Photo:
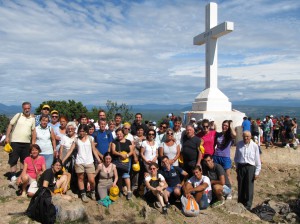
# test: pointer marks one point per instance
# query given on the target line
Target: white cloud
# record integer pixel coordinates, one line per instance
(142, 52)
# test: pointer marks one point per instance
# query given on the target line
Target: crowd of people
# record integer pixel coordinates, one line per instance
(160, 164)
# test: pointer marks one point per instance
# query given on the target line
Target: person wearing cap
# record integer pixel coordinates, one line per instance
(170, 118)
(212, 125)
(46, 111)
(193, 123)
(54, 119)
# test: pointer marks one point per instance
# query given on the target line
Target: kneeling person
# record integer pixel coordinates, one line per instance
(218, 178)
(172, 177)
(198, 186)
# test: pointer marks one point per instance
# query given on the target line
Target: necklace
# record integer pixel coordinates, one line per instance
(152, 147)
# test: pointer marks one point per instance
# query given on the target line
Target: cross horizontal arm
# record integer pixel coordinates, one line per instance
(215, 33)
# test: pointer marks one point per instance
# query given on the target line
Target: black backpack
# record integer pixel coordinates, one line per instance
(264, 212)
(41, 208)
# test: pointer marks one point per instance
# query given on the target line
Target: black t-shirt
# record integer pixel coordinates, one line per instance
(215, 173)
(172, 177)
(49, 176)
(122, 146)
(190, 148)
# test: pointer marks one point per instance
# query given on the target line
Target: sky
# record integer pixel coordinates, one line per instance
(142, 52)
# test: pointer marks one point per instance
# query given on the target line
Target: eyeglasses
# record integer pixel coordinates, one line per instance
(170, 133)
(204, 126)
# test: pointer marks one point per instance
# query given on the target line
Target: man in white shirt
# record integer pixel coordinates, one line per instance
(199, 187)
(248, 166)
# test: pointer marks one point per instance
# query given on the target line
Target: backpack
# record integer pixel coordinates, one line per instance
(264, 212)
(189, 206)
(41, 208)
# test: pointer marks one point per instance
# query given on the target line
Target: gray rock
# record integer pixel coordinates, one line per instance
(69, 210)
(291, 216)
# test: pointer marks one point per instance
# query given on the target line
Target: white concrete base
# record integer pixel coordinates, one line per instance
(218, 116)
(211, 99)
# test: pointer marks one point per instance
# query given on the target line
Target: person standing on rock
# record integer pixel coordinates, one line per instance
(248, 166)
(20, 133)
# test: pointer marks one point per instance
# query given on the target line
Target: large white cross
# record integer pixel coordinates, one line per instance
(210, 37)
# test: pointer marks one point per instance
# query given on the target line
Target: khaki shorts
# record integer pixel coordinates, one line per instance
(84, 168)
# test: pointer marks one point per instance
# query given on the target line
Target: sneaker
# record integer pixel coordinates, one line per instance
(13, 184)
(168, 205)
(164, 210)
(93, 195)
(84, 198)
(129, 195)
(229, 197)
(125, 191)
(157, 204)
(218, 204)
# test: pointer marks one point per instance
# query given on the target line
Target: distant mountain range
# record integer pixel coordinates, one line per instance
(247, 106)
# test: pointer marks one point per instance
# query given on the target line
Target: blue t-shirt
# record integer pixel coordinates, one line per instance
(103, 139)
(171, 176)
(246, 125)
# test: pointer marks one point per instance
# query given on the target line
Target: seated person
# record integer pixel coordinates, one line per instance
(172, 177)
(221, 186)
(198, 186)
(156, 188)
(34, 166)
(49, 178)
(108, 175)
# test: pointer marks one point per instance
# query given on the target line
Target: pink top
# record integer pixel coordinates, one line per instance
(209, 141)
(38, 162)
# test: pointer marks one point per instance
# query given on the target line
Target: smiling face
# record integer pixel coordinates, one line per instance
(190, 131)
(82, 133)
(107, 160)
(197, 173)
(63, 122)
(120, 135)
(34, 152)
(44, 122)
(56, 167)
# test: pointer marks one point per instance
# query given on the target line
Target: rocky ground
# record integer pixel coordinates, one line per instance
(279, 182)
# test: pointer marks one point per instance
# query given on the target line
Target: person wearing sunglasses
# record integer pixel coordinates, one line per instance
(208, 136)
(156, 188)
(170, 148)
(54, 122)
(161, 137)
(108, 175)
(149, 149)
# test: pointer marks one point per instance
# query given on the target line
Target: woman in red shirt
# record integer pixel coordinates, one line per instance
(208, 138)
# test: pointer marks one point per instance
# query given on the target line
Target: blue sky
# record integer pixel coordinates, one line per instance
(140, 52)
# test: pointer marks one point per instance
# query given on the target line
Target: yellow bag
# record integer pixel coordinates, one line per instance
(7, 148)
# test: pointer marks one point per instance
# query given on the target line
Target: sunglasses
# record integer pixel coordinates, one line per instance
(151, 134)
(163, 127)
(46, 109)
(205, 126)
(126, 128)
(55, 116)
(170, 133)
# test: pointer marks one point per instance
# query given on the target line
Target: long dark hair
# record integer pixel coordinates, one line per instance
(227, 136)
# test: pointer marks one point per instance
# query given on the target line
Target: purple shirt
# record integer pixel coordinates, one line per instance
(219, 151)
